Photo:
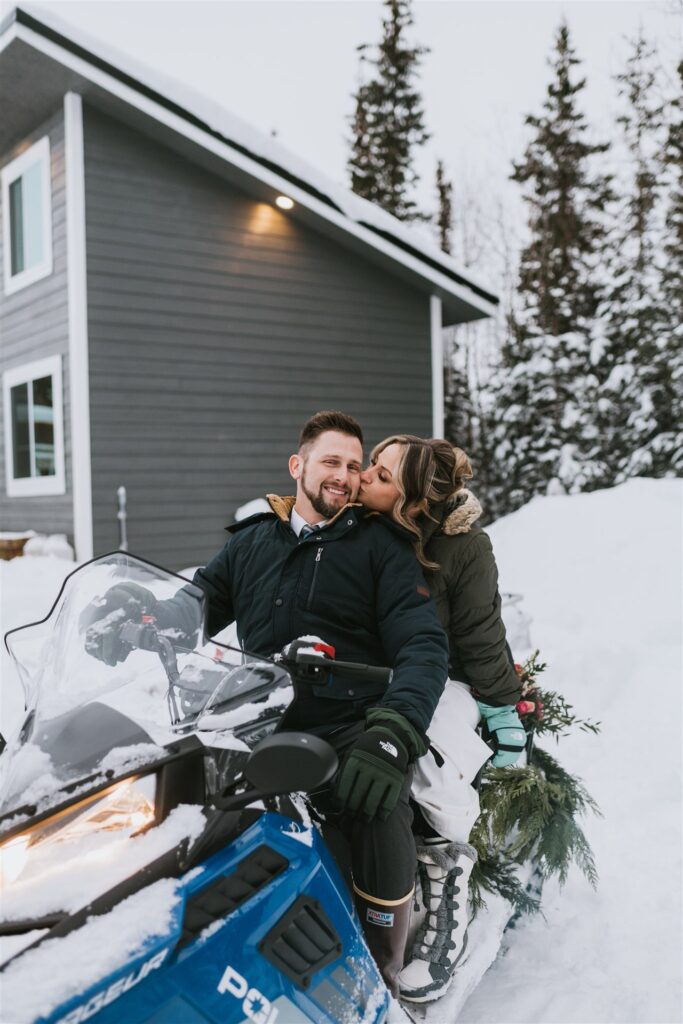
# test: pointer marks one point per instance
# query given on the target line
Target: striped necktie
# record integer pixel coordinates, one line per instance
(307, 530)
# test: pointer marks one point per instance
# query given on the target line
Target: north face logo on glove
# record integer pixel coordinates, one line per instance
(389, 747)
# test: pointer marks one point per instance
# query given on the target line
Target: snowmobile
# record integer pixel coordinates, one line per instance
(157, 859)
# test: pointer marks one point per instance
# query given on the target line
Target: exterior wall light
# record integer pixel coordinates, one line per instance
(284, 202)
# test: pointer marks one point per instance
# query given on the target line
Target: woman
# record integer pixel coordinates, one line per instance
(421, 483)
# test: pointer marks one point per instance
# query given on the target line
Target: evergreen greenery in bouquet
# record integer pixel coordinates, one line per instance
(529, 814)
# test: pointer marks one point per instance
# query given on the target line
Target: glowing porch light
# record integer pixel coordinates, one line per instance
(284, 202)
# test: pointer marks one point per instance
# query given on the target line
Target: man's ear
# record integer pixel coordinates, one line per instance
(296, 465)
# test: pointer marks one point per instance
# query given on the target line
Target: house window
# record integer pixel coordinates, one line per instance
(34, 431)
(27, 217)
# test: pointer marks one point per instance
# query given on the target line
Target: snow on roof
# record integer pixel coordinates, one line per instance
(213, 117)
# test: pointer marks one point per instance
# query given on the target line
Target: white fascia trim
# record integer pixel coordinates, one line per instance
(435, 314)
(9, 36)
(35, 486)
(251, 167)
(81, 479)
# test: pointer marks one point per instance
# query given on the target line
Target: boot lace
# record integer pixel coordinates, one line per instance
(439, 922)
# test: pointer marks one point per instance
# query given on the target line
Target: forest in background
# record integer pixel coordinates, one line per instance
(578, 383)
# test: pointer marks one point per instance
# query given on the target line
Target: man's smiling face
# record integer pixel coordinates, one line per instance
(327, 472)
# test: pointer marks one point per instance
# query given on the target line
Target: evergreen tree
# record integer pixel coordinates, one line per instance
(444, 216)
(636, 395)
(672, 276)
(666, 445)
(545, 384)
(388, 121)
(460, 407)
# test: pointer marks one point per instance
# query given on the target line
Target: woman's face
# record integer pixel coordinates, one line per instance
(378, 490)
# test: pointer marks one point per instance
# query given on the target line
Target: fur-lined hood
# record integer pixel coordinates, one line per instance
(464, 511)
(282, 507)
(455, 516)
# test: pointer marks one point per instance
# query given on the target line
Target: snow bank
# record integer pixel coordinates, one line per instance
(601, 577)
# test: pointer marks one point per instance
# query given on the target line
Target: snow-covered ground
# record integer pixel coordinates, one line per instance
(601, 577)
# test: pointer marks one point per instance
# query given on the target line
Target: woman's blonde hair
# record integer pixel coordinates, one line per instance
(428, 468)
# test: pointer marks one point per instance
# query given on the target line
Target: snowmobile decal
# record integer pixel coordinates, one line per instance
(255, 1005)
(108, 995)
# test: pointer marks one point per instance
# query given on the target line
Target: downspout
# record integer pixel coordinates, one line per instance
(437, 366)
(79, 382)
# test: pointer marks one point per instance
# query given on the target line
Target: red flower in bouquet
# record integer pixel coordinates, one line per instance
(525, 707)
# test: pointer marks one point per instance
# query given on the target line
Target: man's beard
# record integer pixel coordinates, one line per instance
(318, 501)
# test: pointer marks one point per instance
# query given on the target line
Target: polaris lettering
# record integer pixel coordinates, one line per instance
(108, 995)
(255, 1005)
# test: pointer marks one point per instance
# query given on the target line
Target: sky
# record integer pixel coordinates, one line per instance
(291, 66)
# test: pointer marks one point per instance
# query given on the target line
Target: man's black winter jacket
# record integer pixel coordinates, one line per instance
(356, 584)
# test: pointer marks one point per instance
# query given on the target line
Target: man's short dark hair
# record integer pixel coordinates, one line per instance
(329, 419)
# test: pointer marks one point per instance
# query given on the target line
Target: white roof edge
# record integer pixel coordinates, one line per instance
(358, 216)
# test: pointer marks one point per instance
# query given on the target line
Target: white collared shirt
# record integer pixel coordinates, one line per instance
(298, 522)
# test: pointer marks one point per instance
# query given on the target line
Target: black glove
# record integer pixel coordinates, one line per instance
(104, 617)
(372, 775)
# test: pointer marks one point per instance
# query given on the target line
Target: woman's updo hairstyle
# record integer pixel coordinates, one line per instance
(430, 469)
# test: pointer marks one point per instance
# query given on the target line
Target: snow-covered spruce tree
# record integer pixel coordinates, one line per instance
(388, 121)
(636, 401)
(545, 385)
(672, 274)
(666, 384)
(460, 407)
(444, 212)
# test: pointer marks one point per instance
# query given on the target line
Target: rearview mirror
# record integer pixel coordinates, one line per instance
(286, 762)
(291, 762)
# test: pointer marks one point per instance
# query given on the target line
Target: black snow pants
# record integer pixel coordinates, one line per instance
(383, 856)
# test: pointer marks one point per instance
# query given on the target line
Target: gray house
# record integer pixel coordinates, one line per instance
(178, 295)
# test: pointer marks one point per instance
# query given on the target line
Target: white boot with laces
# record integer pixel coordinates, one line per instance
(444, 869)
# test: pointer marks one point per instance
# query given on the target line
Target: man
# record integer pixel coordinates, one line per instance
(319, 564)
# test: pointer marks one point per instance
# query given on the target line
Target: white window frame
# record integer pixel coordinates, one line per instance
(39, 152)
(33, 486)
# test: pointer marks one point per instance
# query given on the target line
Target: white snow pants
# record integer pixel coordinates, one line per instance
(446, 797)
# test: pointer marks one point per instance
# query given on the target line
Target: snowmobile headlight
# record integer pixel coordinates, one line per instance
(124, 809)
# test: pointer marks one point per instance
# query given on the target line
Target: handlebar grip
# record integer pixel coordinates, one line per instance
(139, 635)
(374, 673)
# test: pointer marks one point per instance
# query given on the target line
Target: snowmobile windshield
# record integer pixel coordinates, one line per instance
(115, 672)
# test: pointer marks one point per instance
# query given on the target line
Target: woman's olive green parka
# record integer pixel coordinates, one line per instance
(465, 590)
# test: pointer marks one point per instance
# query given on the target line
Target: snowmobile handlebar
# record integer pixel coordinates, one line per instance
(146, 637)
(373, 673)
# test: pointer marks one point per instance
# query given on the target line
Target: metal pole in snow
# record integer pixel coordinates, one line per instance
(122, 517)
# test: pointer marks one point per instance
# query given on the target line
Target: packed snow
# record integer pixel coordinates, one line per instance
(600, 576)
(36, 983)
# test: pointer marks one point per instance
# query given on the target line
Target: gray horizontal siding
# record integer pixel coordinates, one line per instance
(217, 325)
(34, 324)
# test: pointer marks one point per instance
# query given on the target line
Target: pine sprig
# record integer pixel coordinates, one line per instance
(529, 816)
(494, 874)
(546, 711)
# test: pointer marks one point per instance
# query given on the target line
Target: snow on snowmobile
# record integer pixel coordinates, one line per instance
(148, 871)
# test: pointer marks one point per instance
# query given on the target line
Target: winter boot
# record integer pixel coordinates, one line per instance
(385, 927)
(444, 869)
